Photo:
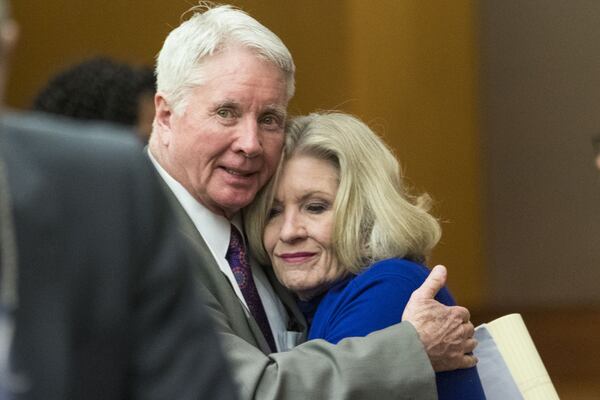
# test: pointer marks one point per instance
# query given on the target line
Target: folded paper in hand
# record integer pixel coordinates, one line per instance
(509, 365)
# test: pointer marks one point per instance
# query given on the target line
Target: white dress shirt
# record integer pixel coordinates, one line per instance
(216, 230)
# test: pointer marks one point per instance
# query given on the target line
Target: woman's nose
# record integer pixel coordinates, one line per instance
(293, 228)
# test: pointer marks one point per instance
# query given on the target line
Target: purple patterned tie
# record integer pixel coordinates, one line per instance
(238, 260)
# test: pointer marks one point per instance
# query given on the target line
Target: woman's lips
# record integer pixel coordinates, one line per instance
(296, 258)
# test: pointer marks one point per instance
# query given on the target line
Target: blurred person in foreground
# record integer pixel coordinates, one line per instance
(102, 89)
(96, 298)
(341, 231)
(223, 85)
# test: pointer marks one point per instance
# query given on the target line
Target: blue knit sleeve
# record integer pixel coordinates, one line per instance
(375, 300)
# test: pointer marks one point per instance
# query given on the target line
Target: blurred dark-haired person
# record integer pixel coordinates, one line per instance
(102, 89)
(96, 295)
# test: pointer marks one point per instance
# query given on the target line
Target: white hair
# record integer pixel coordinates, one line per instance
(209, 31)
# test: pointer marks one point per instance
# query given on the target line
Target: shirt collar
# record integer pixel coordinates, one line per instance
(215, 229)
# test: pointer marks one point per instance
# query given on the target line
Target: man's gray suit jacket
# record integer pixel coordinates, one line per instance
(389, 364)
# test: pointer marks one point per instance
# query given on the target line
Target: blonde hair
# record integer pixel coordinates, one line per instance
(375, 216)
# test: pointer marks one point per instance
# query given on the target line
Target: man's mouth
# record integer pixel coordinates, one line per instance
(237, 172)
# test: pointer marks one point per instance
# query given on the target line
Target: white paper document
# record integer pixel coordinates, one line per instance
(497, 382)
(510, 366)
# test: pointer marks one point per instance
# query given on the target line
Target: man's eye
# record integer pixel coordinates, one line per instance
(271, 121)
(225, 113)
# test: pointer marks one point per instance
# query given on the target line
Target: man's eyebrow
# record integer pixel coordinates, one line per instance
(277, 110)
(226, 103)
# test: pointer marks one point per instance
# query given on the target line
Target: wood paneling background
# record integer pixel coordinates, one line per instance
(406, 67)
(504, 150)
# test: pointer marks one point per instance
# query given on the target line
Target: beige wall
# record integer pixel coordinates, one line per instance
(542, 95)
(406, 67)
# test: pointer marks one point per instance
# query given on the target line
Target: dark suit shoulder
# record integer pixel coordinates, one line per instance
(44, 139)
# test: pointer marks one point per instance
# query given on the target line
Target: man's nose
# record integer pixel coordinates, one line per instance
(249, 142)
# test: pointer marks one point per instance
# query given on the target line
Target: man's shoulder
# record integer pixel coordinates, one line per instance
(61, 149)
(37, 132)
(61, 163)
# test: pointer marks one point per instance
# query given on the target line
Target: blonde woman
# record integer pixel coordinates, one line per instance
(343, 234)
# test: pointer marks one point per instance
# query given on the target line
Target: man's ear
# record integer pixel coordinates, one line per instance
(9, 34)
(163, 118)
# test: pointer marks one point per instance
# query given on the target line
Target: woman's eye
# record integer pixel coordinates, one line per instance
(317, 208)
(273, 212)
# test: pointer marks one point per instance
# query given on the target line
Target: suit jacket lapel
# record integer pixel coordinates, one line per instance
(207, 271)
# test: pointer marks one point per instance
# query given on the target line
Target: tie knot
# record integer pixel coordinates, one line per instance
(236, 252)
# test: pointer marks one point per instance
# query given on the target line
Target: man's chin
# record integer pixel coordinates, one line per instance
(233, 201)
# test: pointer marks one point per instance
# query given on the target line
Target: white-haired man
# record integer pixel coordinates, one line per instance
(224, 82)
